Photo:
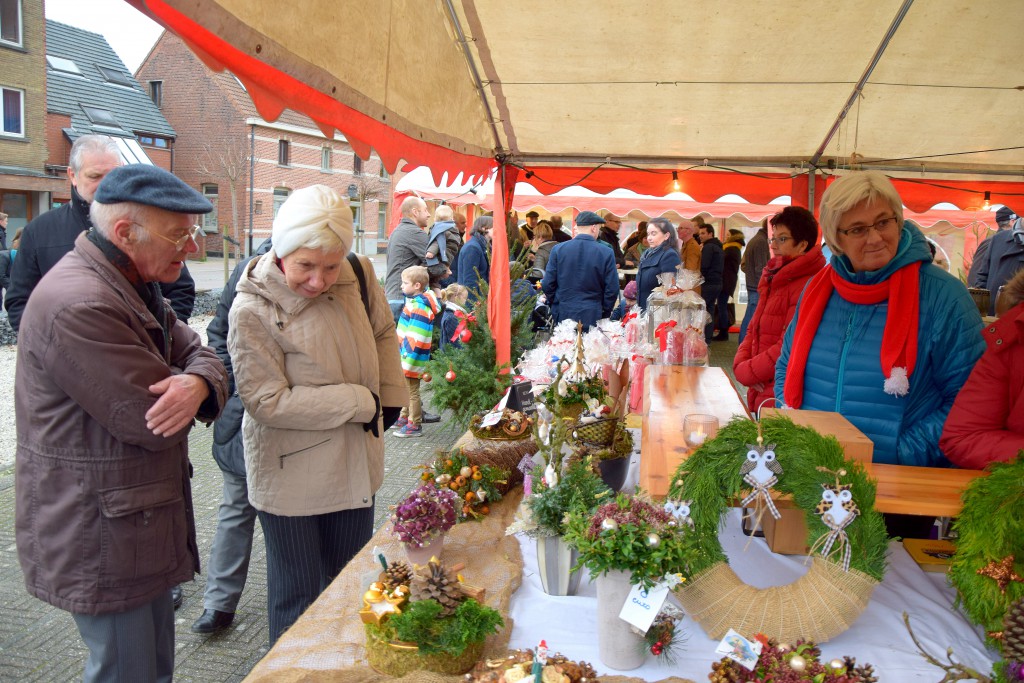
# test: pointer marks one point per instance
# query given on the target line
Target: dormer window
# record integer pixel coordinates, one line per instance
(61, 64)
(115, 76)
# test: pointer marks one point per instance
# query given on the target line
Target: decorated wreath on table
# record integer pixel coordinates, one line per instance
(745, 463)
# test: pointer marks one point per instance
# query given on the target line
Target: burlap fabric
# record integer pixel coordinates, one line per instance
(821, 604)
(503, 454)
(326, 645)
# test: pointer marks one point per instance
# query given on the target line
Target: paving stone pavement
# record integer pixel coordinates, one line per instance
(39, 643)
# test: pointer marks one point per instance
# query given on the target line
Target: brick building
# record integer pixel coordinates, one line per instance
(218, 126)
(25, 184)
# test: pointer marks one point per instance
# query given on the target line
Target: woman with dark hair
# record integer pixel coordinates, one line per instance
(661, 256)
(796, 259)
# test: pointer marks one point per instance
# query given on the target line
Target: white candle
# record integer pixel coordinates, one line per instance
(697, 437)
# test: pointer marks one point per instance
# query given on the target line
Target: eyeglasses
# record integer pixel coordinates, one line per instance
(860, 231)
(779, 240)
(181, 241)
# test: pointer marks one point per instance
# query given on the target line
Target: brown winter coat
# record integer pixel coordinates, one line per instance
(104, 518)
(304, 369)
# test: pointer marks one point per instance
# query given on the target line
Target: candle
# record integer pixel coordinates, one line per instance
(697, 437)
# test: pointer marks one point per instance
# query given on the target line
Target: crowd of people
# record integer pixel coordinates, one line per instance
(312, 360)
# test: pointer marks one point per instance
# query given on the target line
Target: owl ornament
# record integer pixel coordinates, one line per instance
(680, 511)
(837, 511)
(761, 470)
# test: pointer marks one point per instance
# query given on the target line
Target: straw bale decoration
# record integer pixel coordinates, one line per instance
(846, 534)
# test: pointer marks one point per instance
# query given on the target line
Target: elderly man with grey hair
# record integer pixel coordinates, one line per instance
(109, 383)
(48, 237)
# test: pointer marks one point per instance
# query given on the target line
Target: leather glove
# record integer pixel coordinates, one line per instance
(391, 416)
(372, 425)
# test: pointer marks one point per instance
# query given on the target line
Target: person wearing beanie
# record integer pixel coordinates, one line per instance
(109, 385)
(316, 368)
(883, 336)
(1000, 257)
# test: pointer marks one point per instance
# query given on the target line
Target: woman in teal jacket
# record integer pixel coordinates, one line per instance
(882, 336)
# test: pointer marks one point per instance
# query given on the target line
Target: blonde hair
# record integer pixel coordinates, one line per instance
(455, 293)
(444, 213)
(847, 192)
(417, 275)
(542, 231)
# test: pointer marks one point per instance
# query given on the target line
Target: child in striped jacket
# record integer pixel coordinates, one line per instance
(415, 334)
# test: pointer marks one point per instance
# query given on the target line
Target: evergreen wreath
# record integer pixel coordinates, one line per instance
(990, 528)
(710, 481)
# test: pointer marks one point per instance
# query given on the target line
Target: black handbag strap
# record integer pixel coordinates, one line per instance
(357, 266)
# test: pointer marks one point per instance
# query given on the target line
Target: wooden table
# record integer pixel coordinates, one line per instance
(671, 392)
(932, 491)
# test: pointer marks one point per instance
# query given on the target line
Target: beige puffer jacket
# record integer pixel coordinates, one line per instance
(304, 369)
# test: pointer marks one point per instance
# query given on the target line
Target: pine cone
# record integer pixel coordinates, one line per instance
(434, 582)
(865, 674)
(1013, 632)
(398, 574)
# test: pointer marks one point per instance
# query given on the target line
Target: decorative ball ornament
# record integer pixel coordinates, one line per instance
(466, 471)
(427, 377)
(450, 375)
(609, 524)
(465, 336)
(653, 540)
(837, 666)
(797, 663)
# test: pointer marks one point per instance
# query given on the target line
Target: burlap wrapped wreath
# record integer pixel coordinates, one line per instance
(827, 599)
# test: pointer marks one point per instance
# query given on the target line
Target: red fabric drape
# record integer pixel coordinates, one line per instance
(499, 301)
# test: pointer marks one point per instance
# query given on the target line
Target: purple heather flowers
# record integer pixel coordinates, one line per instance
(425, 513)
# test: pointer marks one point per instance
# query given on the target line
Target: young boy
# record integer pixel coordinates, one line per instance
(415, 334)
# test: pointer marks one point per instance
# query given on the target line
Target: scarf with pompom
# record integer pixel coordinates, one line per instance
(899, 339)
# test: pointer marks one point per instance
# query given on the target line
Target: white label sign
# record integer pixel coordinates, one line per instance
(642, 605)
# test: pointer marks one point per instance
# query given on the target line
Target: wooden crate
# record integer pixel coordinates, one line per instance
(856, 445)
(787, 535)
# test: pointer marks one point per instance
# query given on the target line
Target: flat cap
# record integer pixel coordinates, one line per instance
(152, 186)
(532, 214)
(589, 218)
(1004, 214)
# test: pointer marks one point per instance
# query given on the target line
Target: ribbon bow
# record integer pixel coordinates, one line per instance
(759, 495)
(662, 333)
(464, 319)
(836, 534)
(626, 318)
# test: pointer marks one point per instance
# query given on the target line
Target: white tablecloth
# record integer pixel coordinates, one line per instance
(878, 636)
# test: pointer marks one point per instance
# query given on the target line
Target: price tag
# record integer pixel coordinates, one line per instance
(642, 605)
(740, 650)
(492, 418)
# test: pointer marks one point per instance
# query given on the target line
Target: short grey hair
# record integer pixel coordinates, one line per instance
(847, 192)
(482, 223)
(104, 216)
(91, 144)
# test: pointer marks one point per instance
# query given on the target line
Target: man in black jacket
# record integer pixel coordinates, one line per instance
(47, 238)
(232, 543)
(609, 234)
(712, 266)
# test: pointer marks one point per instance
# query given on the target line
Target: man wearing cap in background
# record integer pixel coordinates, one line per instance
(580, 280)
(609, 234)
(1002, 258)
(48, 237)
(108, 385)
(526, 229)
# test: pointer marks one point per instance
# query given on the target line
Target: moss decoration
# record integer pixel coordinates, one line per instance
(990, 528)
(711, 478)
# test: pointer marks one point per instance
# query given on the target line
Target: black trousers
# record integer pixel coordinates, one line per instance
(304, 554)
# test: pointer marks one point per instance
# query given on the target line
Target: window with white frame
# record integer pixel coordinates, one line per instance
(325, 159)
(382, 220)
(280, 195)
(13, 121)
(10, 22)
(210, 219)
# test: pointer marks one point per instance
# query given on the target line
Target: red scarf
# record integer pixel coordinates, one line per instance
(899, 339)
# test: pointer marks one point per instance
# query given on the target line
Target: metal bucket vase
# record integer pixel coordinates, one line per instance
(618, 647)
(418, 555)
(555, 559)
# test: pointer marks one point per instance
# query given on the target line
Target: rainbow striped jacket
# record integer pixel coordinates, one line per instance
(416, 332)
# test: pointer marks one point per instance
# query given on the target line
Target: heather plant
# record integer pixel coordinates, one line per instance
(427, 512)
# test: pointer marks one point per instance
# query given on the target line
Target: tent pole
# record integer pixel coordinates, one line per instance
(812, 177)
(859, 87)
(476, 74)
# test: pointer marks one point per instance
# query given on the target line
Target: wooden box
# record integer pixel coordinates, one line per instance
(788, 535)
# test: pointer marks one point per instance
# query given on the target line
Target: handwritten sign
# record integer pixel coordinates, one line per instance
(642, 605)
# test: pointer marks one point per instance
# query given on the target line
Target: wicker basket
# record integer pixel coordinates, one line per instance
(498, 453)
(982, 299)
(599, 433)
(398, 659)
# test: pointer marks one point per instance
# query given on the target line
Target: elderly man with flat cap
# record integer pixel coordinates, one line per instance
(580, 280)
(109, 383)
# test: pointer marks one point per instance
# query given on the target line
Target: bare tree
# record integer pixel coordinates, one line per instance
(227, 161)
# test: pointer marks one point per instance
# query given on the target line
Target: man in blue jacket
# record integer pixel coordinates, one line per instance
(580, 280)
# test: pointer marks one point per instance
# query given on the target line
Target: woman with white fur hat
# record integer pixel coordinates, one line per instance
(313, 366)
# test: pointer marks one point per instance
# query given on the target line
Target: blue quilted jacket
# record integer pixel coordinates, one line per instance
(844, 371)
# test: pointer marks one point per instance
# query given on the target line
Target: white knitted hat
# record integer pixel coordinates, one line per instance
(305, 212)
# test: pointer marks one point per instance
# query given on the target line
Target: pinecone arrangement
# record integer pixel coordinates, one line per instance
(434, 582)
(783, 664)
(397, 574)
(1013, 641)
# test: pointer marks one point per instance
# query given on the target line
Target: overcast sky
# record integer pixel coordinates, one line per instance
(128, 31)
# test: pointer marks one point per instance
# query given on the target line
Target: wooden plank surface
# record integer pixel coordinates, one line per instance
(670, 393)
(920, 490)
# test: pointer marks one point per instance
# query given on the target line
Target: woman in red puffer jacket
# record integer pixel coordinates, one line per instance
(796, 258)
(986, 422)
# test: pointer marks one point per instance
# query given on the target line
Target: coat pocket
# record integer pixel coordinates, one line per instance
(137, 524)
